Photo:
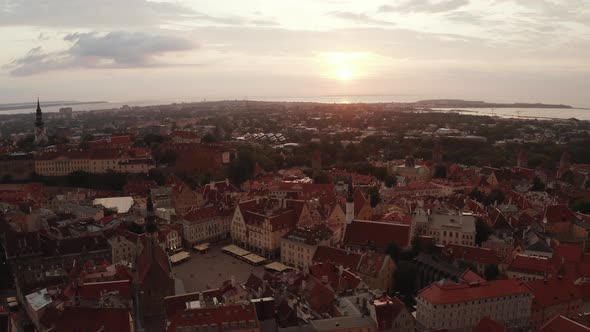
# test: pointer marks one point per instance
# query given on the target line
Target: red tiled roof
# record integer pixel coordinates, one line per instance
(530, 263)
(487, 324)
(469, 276)
(151, 254)
(558, 214)
(473, 254)
(216, 316)
(93, 319)
(553, 291)
(387, 310)
(446, 294)
(176, 303)
(562, 324)
(96, 290)
(569, 253)
(339, 282)
(348, 259)
(201, 214)
(378, 234)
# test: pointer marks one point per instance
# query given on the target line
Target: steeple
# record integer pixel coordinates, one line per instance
(151, 226)
(349, 217)
(40, 132)
(349, 198)
(38, 115)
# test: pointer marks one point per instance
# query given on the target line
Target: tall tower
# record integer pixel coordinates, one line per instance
(437, 152)
(350, 203)
(151, 227)
(522, 159)
(40, 132)
(564, 164)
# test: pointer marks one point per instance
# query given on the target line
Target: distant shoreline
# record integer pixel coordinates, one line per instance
(23, 106)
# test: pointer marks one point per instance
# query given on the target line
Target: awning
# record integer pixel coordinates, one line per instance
(178, 257)
(254, 259)
(235, 250)
(201, 247)
(276, 266)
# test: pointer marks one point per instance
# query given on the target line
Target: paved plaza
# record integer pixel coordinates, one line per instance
(207, 271)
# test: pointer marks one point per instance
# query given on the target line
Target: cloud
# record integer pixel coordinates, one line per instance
(385, 8)
(425, 6)
(108, 14)
(67, 13)
(232, 20)
(359, 18)
(91, 50)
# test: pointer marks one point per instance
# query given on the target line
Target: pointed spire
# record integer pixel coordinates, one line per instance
(150, 225)
(349, 197)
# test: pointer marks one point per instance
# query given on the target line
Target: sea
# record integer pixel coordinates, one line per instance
(524, 113)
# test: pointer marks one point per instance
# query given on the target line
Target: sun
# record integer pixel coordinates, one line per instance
(341, 66)
(345, 73)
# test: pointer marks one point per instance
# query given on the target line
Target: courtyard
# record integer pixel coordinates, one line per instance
(209, 270)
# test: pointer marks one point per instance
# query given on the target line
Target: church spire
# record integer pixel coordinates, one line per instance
(40, 131)
(38, 115)
(151, 226)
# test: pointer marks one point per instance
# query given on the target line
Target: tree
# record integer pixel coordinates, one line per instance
(416, 245)
(157, 175)
(375, 197)
(568, 177)
(482, 231)
(538, 185)
(440, 172)
(477, 195)
(209, 138)
(491, 272)
(393, 251)
(405, 278)
(322, 177)
(581, 205)
(7, 178)
(496, 196)
(391, 181)
(464, 265)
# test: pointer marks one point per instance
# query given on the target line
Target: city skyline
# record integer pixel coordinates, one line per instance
(497, 50)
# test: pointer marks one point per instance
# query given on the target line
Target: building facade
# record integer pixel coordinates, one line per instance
(460, 307)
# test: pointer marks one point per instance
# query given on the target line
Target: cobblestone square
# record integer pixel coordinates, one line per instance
(207, 271)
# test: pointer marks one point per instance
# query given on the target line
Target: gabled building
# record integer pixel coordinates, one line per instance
(299, 245)
(259, 224)
(391, 315)
(205, 224)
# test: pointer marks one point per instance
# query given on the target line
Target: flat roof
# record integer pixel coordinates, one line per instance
(254, 258)
(235, 250)
(277, 266)
(179, 256)
(201, 247)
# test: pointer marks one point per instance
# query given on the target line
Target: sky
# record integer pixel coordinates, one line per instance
(189, 50)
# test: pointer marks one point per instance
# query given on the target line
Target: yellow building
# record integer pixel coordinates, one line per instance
(91, 161)
(259, 224)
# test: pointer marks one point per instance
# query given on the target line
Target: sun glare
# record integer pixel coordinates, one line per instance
(342, 66)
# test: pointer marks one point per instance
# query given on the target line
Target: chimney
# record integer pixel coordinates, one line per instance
(212, 184)
(233, 281)
(227, 182)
